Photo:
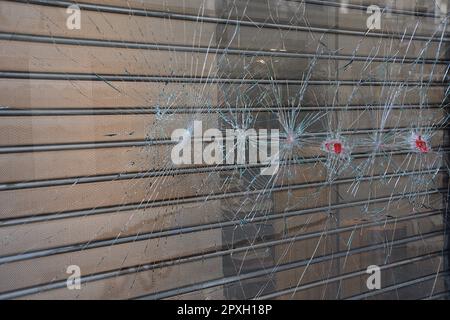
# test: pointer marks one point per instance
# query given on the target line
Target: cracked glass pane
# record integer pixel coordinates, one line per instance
(224, 149)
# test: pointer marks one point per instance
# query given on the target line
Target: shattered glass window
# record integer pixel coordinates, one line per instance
(224, 149)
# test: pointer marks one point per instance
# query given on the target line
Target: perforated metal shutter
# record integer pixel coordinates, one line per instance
(87, 179)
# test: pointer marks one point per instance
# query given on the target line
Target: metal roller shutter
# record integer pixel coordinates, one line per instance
(87, 174)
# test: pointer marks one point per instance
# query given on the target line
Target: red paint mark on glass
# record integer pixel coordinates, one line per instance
(421, 145)
(334, 146)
